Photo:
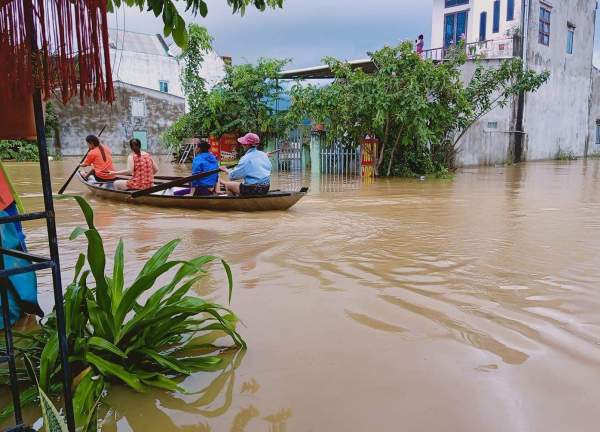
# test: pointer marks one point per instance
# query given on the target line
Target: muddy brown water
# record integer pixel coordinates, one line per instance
(464, 305)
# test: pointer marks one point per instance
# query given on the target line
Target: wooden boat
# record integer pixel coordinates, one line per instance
(275, 200)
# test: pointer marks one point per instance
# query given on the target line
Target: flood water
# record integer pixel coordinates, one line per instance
(402, 305)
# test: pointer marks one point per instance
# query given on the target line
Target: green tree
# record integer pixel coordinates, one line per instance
(174, 24)
(243, 101)
(418, 109)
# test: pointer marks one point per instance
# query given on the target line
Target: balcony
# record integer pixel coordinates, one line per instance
(489, 49)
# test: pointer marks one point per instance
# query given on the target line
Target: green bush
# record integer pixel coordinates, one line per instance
(19, 151)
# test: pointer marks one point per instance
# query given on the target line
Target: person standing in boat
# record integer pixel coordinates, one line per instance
(140, 166)
(204, 161)
(254, 169)
(99, 157)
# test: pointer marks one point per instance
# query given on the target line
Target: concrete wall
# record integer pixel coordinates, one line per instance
(557, 116)
(161, 111)
(592, 147)
(487, 142)
(475, 7)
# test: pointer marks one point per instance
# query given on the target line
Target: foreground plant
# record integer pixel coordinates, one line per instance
(141, 335)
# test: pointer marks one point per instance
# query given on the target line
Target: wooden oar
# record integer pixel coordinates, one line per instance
(174, 183)
(64, 187)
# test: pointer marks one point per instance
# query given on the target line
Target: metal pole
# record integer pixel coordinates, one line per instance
(54, 256)
(51, 227)
(14, 385)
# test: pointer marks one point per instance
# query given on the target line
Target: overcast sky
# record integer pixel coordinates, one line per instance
(304, 30)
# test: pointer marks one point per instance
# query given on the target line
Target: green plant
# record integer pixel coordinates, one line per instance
(137, 334)
(418, 109)
(19, 151)
(562, 155)
(243, 101)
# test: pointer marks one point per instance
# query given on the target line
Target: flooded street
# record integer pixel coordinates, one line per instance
(463, 305)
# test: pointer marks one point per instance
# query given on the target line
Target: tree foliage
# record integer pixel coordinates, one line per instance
(174, 24)
(418, 109)
(243, 101)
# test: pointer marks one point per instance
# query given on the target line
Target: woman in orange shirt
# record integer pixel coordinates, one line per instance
(99, 157)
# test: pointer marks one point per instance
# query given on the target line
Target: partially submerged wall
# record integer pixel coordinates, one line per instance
(556, 117)
(488, 141)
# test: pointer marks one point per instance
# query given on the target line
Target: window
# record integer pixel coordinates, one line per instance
(482, 26)
(455, 27)
(570, 38)
(164, 86)
(496, 27)
(138, 107)
(510, 12)
(492, 125)
(544, 37)
(451, 3)
(598, 132)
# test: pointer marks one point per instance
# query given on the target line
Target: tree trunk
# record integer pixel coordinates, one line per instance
(389, 170)
(383, 143)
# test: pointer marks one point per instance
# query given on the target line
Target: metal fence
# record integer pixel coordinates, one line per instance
(291, 149)
(341, 160)
(493, 48)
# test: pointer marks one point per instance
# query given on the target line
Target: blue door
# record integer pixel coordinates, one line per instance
(455, 27)
(143, 137)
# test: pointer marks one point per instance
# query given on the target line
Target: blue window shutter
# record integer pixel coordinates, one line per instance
(482, 26)
(510, 12)
(496, 27)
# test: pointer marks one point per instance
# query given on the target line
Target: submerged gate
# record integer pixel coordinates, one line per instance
(341, 160)
(290, 156)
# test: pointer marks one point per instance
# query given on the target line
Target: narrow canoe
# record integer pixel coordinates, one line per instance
(276, 200)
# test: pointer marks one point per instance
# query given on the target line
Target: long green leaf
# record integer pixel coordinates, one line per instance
(118, 276)
(28, 397)
(131, 295)
(86, 399)
(86, 209)
(97, 261)
(108, 368)
(159, 258)
(103, 344)
(170, 363)
(162, 382)
(53, 421)
(48, 362)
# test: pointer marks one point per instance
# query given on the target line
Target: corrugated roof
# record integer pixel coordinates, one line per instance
(324, 72)
(138, 42)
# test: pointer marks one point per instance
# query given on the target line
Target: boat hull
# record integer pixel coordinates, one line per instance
(271, 202)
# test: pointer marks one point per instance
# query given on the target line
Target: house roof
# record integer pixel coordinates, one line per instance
(324, 72)
(138, 42)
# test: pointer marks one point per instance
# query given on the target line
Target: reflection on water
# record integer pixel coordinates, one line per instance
(465, 305)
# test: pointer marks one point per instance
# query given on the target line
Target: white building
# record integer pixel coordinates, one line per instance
(477, 20)
(553, 35)
(145, 60)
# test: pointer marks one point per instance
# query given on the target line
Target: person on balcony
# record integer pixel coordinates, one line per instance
(420, 45)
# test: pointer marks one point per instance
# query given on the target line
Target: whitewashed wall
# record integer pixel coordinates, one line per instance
(147, 70)
(475, 7)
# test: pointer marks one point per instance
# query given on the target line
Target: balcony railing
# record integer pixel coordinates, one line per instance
(492, 49)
